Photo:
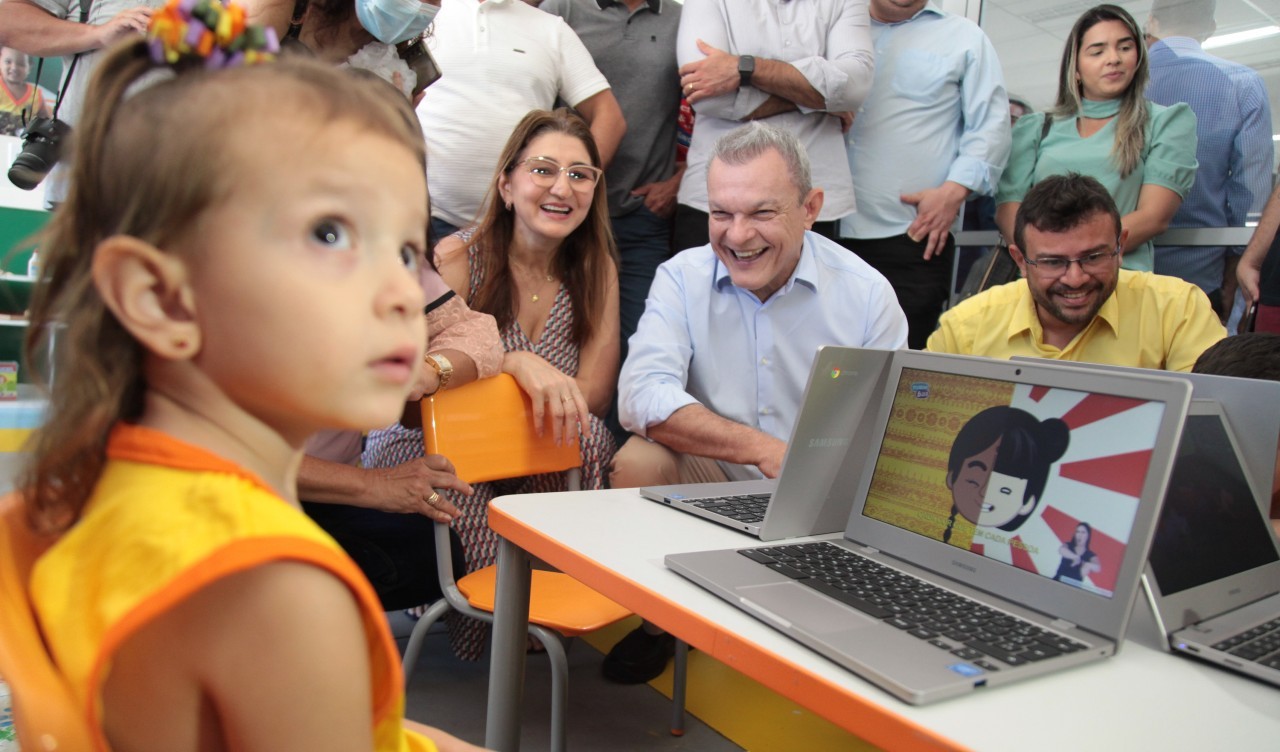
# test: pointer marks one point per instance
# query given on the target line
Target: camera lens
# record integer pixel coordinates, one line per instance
(41, 146)
(28, 170)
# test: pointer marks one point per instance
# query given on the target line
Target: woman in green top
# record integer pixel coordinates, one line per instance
(1103, 126)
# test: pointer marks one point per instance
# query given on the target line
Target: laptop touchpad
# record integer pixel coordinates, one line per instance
(800, 605)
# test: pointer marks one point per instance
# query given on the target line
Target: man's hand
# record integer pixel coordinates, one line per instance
(126, 23)
(846, 120)
(712, 76)
(936, 210)
(660, 197)
(772, 450)
(409, 488)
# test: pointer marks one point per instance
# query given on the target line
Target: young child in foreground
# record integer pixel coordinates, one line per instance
(234, 269)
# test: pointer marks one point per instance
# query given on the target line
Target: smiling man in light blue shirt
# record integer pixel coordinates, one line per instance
(934, 129)
(718, 365)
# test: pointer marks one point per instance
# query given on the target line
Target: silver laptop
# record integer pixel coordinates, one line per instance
(961, 565)
(828, 444)
(1213, 575)
(1252, 407)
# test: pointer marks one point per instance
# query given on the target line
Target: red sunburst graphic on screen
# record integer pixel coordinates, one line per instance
(1099, 481)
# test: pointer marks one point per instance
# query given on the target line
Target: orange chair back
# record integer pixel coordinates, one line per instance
(486, 429)
(45, 713)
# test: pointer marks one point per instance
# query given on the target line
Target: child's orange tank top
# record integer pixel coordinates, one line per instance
(165, 520)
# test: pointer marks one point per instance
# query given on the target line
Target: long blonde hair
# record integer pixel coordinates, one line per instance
(148, 165)
(1131, 122)
(584, 260)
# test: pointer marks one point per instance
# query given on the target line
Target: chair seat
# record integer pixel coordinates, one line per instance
(558, 601)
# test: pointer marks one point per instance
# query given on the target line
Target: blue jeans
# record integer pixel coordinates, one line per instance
(644, 242)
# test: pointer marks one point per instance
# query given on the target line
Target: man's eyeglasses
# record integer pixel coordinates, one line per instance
(545, 172)
(1056, 266)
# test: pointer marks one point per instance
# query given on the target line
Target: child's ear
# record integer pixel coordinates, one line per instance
(149, 292)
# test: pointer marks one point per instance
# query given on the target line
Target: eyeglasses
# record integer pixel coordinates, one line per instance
(545, 172)
(1056, 266)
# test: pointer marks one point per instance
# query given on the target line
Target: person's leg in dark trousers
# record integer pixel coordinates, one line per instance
(440, 229)
(644, 242)
(689, 229)
(923, 287)
(397, 552)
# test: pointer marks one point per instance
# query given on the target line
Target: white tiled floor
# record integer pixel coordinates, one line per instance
(450, 693)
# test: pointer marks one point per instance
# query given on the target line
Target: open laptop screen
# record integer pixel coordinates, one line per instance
(1210, 527)
(1044, 479)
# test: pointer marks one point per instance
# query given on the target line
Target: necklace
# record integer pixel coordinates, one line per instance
(535, 296)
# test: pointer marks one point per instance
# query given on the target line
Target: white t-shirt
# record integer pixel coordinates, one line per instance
(498, 60)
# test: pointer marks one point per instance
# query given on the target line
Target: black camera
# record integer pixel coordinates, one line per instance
(41, 146)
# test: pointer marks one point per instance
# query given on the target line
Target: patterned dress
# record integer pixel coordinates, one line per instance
(396, 445)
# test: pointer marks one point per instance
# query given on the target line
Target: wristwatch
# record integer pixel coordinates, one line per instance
(443, 369)
(746, 67)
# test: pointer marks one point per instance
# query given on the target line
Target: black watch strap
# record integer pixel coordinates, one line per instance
(746, 67)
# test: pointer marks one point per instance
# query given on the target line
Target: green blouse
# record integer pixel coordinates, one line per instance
(1168, 159)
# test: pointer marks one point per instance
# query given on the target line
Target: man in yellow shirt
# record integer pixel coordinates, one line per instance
(1074, 301)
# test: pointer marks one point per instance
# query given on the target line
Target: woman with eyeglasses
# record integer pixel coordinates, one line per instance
(542, 261)
(1103, 126)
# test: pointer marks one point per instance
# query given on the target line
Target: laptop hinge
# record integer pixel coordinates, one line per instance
(870, 550)
(1062, 624)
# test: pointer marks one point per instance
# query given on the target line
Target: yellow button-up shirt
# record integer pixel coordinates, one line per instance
(1150, 321)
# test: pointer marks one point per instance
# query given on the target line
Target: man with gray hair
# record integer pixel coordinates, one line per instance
(718, 365)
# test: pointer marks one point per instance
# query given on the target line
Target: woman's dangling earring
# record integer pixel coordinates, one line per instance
(508, 205)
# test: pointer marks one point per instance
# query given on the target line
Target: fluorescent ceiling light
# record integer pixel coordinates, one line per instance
(1238, 37)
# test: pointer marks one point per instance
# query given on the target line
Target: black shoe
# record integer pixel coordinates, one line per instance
(639, 657)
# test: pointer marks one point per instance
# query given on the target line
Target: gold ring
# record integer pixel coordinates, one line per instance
(688, 88)
(433, 498)
(564, 398)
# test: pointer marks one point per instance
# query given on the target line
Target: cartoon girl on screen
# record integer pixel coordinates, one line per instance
(999, 466)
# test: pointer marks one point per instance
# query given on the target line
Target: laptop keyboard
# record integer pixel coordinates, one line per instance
(1260, 644)
(744, 508)
(948, 621)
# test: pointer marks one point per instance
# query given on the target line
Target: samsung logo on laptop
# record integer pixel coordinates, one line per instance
(835, 443)
(965, 567)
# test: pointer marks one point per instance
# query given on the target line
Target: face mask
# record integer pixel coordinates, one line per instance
(394, 21)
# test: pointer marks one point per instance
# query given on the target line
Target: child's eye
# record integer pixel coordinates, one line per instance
(332, 232)
(409, 257)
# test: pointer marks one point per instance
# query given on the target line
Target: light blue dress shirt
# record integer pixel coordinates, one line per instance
(937, 111)
(1233, 148)
(703, 340)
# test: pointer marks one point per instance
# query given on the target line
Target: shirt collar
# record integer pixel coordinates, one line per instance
(1024, 317)
(1179, 44)
(806, 271)
(929, 7)
(654, 5)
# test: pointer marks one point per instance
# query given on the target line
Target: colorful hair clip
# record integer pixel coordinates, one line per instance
(186, 30)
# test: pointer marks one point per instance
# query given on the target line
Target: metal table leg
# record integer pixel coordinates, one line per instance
(510, 631)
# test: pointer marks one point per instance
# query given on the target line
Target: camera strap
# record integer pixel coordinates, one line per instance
(85, 5)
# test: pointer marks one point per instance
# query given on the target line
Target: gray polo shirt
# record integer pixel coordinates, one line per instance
(636, 51)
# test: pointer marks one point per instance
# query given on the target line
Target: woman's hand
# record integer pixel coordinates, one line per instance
(553, 394)
(412, 488)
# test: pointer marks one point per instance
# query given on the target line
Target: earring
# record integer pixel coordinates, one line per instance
(508, 206)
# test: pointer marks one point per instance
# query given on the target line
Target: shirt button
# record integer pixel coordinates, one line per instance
(765, 411)
(764, 361)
